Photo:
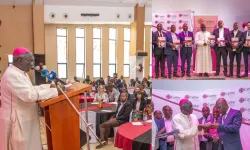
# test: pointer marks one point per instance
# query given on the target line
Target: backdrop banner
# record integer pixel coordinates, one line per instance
(237, 98)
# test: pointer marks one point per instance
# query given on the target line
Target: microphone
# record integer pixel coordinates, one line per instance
(51, 76)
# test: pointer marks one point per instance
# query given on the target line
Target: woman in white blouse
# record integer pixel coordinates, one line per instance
(101, 95)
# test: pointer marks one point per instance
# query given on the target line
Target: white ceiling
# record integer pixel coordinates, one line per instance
(112, 3)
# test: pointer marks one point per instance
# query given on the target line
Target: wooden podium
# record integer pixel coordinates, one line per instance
(62, 119)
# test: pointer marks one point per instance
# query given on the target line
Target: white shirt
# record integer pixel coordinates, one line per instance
(119, 109)
(160, 34)
(221, 32)
(169, 128)
(235, 32)
(225, 116)
(138, 103)
(174, 36)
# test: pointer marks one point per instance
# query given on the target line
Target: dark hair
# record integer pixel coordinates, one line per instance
(124, 93)
(142, 95)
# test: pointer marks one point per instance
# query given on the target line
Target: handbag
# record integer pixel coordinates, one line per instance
(16, 139)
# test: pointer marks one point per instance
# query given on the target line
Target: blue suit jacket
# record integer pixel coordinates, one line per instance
(169, 50)
(229, 132)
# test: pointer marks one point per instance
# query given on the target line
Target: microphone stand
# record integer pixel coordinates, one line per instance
(56, 80)
(85, 121)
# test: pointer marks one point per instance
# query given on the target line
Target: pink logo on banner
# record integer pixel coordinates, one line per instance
(244, 100)
(180, 21)
(186, 96)
(156, 16)
(168, 15)
(242, 109)
(222, 94)
(168, 96)
(168, 21)
(156, 22)
(180, 27)
(204, 96)
(241, 90)
(226, 93)
(180, 15)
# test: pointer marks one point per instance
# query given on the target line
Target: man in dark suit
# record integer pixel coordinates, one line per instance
(221, 32)
(123, 111)
(204, 140)
(233, 49)
(171, 51)
(246, 50)
(159, 52)
(228, 127)
(185, 52)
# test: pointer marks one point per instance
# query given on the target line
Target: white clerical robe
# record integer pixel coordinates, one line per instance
(155, 142)
(17, 87)
(203, 59)
(188, 137)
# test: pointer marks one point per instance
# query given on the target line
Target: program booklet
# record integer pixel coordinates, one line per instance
(189, 42)
(177, 44)
(161, 42)
(221, 42)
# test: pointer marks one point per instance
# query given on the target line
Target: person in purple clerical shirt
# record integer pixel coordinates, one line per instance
(186, 49)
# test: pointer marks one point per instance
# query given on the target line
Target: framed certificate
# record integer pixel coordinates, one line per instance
(188, 42)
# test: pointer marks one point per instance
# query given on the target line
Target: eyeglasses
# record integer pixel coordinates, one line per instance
(30, 61)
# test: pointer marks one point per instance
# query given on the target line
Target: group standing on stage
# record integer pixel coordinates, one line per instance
(166, 46)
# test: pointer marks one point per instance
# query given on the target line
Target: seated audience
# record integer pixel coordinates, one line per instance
(145, 82)
(139, 103)
(121, 116)
(130, 97)
(106, 81)
(101, 95)
(87, 80)
(113, 93)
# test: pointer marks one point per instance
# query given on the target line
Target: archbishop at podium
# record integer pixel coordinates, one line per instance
(19, 118)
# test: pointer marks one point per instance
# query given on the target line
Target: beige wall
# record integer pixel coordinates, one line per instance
(15, 31)
(51, 48)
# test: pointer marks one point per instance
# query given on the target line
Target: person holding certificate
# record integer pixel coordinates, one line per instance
(187, 40)
(171, 51)
(159, 42)
(220, 47)
(235, 40)
(246, 48)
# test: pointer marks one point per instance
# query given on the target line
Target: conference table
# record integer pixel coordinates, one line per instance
(134, 137)
(97, 116)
